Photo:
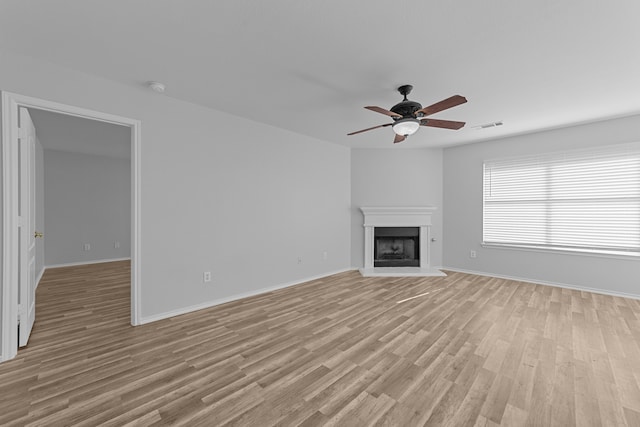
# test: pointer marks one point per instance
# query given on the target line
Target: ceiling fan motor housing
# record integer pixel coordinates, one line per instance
(406, 109)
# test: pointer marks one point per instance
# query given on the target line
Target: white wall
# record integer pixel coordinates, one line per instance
(463, 212)
(244, 205)
(395, 177)
(87, 199)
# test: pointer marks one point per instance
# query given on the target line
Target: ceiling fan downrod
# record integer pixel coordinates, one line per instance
(405, 90)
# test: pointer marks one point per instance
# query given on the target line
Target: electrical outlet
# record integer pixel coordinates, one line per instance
(299, 260)
(86, 247)
(206, 276)
(472, 254)
(116, 244)
(325, 255)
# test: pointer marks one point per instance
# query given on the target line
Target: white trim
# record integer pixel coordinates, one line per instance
(136, 223)
(209, 304)
(42, 270)
(390, 216)
(9, 331)
(633, 256)
(8, 280)
(95, 261)
(545, 283)
(401, 272)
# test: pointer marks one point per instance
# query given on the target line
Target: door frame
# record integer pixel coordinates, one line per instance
(10, 197)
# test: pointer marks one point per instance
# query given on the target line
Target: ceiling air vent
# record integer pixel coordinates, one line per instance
(489, 125)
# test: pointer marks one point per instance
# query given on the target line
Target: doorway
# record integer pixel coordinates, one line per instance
(11, 220)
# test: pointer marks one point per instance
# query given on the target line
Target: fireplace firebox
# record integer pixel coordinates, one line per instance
(396, 247)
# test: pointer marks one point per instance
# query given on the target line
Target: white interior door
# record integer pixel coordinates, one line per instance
(27, 229)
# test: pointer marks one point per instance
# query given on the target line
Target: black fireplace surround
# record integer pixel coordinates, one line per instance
(396, 247)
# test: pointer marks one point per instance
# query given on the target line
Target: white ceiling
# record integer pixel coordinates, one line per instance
(311, 67)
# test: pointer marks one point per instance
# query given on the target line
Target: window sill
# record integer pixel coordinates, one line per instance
(579, 252)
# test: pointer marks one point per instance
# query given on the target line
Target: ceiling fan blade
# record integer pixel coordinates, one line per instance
(375, 127)
(399, 138)
(442, 105)
(383, 111)
(446, 124)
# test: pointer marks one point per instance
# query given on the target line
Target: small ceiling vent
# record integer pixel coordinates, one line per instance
(489, 125)
(156, 86)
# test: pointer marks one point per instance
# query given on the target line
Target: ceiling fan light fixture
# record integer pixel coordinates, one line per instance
(406, 126)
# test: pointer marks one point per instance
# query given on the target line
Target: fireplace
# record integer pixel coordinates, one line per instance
(396, 247)
(397, 241)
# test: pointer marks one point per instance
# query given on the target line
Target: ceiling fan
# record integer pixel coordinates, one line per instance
(408, 116)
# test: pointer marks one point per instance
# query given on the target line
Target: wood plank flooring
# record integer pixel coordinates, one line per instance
(467, 350)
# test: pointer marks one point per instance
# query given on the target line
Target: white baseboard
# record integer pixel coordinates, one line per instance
(40, 276)
(400, 272)
(545, 283)
(209, 304)
(95, 261)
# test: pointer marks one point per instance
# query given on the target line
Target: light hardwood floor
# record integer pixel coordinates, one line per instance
(468, 350)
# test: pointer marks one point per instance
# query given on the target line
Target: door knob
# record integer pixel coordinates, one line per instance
(37, 234)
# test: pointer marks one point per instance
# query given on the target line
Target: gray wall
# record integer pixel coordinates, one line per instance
(87, 200)
(395, 177)
(463, 212)
(243, 205)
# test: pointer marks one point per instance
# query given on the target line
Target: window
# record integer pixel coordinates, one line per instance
(583, 201)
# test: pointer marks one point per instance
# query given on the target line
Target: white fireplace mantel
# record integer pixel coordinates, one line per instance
(388, 216)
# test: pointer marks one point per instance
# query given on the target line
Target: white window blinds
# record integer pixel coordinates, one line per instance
(587, 201)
